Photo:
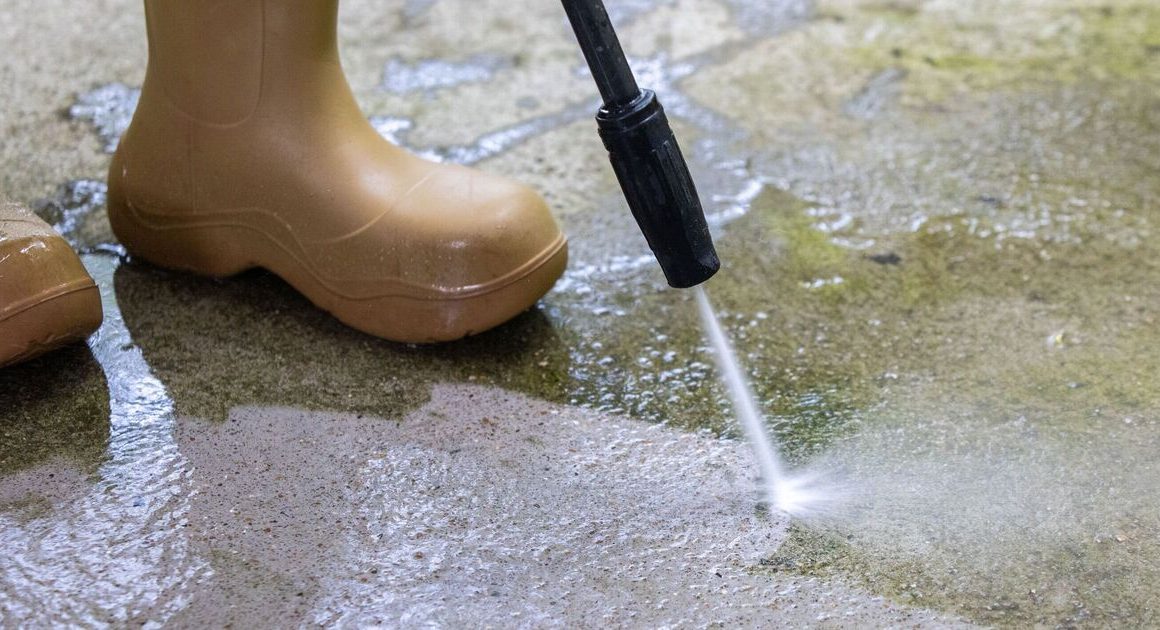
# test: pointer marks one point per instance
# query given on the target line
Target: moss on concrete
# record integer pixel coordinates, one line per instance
(1099, 581)
(976, 47)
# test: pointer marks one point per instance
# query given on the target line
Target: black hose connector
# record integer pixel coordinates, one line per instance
(659, 189)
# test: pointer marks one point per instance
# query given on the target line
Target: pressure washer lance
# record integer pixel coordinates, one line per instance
(645, 154)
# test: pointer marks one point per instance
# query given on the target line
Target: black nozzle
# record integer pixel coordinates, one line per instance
(659, 189)
(645, 154)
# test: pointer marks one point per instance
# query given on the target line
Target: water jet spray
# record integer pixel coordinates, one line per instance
(663, 199)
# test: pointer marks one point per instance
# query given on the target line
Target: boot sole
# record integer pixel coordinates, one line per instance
(226, 245)
(65, 315)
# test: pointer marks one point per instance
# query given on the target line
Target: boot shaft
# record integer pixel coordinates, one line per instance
(217, 61)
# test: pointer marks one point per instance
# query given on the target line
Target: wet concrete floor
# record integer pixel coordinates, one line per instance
(936, 222)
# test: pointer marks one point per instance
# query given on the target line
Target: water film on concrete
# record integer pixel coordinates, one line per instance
(937, 226)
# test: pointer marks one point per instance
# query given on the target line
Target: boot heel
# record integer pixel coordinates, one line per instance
(204, 250)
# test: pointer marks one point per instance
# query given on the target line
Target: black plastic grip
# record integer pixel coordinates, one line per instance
(659, 189)
(602, 51)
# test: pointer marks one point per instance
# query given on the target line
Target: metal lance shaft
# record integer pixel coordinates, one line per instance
(645, 155)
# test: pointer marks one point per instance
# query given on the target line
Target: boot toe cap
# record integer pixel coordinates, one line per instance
(460, 233)
(47, 298)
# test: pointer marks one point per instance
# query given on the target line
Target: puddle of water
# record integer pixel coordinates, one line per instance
(431, 75)
(623, 12)
(486, 508)
(766, 18)
(397, 130)
(117, 553)
(109, 108)
(77, 212)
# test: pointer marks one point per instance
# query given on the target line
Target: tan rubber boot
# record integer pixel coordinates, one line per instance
(47, 299)
(248, 149)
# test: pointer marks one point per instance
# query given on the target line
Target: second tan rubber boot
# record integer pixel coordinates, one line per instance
(248, 149)
(47, 299)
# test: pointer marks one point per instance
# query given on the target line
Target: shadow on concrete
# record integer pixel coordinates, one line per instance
(252, 339)
(54, 406)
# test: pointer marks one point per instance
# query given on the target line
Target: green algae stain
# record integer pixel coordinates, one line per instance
(1098, 581)
(827, 553)
(832, 275)
(814, 551)
(1127, 37)
(1061, 332)
(966, 50)
(808, 252)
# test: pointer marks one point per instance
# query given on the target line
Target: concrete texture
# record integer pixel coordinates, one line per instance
(936, 220)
